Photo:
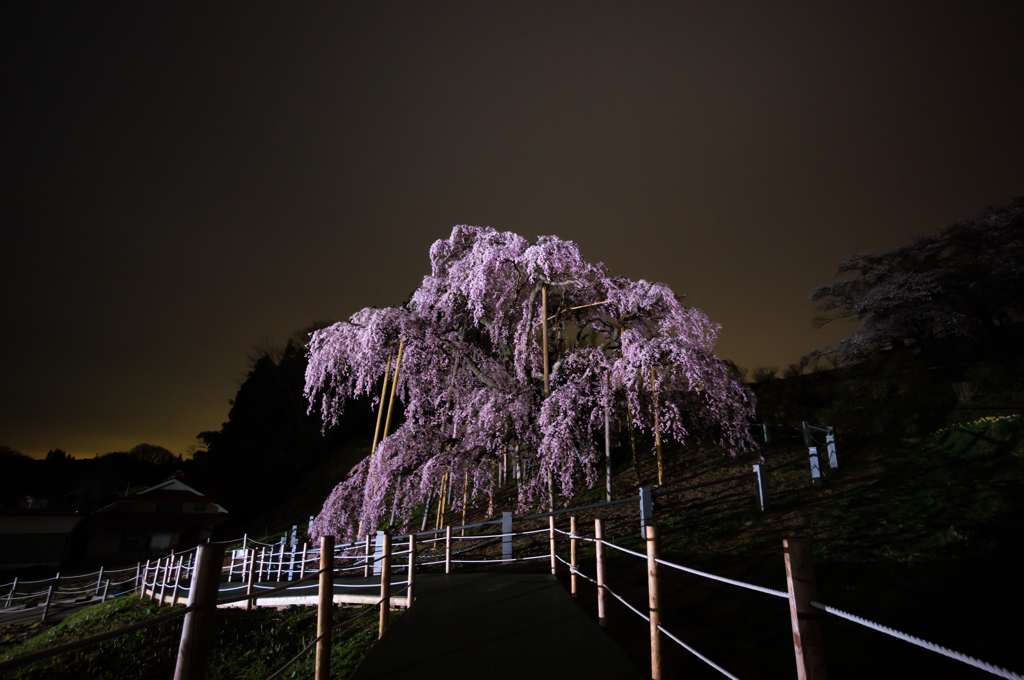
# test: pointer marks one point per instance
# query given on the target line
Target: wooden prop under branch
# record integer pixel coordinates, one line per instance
(394, 388)
(380, 407)
(657, 434)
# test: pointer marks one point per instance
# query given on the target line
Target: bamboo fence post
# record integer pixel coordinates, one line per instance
(657, 434)
(46, 605)
(106, 587)
(366, 562)
(572, 555)
(394, 388)
(99, 581)
(14, 586)
(251, 586)
(197, 629)
(652, 599)
(177, 581)
(411, 592)
(602, 612)
(324, 609)
(163, 583)
(551, 538)
(145, 575)
(448, 549)
(380, 409)
(385, 585)
(302, 565)
(807, 641)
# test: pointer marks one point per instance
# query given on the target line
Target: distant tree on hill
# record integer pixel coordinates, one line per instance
(472, 374)
(967, 280)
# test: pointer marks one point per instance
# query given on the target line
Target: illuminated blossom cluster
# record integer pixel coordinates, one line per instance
(471, 376)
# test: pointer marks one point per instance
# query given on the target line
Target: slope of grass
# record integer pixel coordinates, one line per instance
(246, 645)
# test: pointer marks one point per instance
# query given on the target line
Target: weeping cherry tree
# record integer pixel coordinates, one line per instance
(474, 388)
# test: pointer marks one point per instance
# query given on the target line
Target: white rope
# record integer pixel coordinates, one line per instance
(468, 561)
(931, 646)
(545, 556)
(625, 550)
(741, 584)
(699, 655)
(641, 614)
(535, 531)
(427, 564)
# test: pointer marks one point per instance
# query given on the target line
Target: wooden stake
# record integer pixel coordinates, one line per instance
(380, 407)
(145, 575)
(14, 586)
(652, 601)
(325, 607)
(448, 549)
(385, 585)
(366, 562)
(252, 580)
(302, 565)
(602, 615)
(46, 604)
(163, 582)
(99, 581)
(106, 587)
(544, 334)
(177, 581)
(551, 540)
(394, 388)
(572, 555)
(657, 434)
(807, 641)
(197, 630)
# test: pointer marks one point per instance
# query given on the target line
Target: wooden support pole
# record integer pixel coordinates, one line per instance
(602, 611)
(572, 555)
(145, 575)
(385, 585)
(632, 440)
(99, 582)
(465, 498)
(657, 433)
(551, 540)
(394, 388)
(652, 601)
(197, 630)
(608, 446)
(302, 565)
(106, 587)
(544, 334)
(366, 562)
(761, 472)
(46, 604)
(251, 585)
(263, 559)
(448, 549)
(177, 581)
(325, 609)
(280, 562)
(14, 586)
(807, 641)
(380, 407)
(411, 592)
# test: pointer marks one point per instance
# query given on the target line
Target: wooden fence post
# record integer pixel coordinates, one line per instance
(197, 629)
(411, 592)
(99, 582)
(807, 641)
(385, 585)
(145, 575)
(602, 615)
(177, 581)
(14, 586)
(652, 601)
(280, 562)
(106, 587)
(572, 555)
(46, 605)
(551, 540)
(167, 574)
(302, 565)
(448, 549)
(324, 609)
(252, 579)
(263, 555)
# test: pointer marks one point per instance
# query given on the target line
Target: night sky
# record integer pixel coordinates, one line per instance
(182, 182)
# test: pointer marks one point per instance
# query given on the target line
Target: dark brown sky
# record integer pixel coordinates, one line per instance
(183, 182)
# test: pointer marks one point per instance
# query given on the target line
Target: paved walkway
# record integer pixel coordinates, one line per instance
(495, 626)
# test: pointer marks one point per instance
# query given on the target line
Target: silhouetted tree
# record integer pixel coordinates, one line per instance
(967, 280)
